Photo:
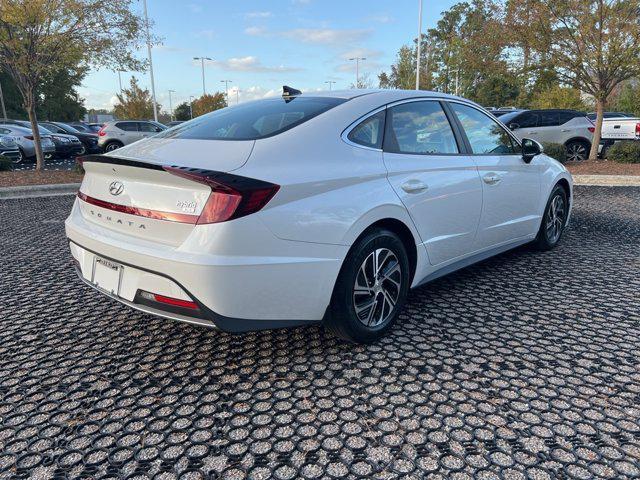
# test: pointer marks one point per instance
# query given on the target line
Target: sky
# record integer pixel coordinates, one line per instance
(260, 45)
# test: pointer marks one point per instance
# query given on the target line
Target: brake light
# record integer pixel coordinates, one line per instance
(29, 137)
(637, 129)
(101, 132)
(592, 129)
(231, 196)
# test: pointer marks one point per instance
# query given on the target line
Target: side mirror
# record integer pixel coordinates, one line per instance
(530, 149)
(513, 126)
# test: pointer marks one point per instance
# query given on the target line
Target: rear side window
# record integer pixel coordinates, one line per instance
(149, 127)
(486, 136)
(419, 128)
(255, 120)
(564, 117)
(369, 132)
(127, 126)
(549, 119)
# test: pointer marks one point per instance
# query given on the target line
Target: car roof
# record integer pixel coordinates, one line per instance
(18, 128)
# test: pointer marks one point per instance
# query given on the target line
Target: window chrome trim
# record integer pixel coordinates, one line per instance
(347, 131)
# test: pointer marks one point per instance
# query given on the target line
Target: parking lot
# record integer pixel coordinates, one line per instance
(525, 366)
(52, 164)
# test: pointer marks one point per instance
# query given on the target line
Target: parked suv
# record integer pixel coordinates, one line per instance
(570, 128)
(26, 144)
(114, 135)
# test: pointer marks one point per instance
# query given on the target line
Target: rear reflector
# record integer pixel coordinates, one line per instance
(232, 196)
(592, 129)
(174, 302)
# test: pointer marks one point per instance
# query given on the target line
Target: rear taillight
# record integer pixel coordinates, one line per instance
(101, 132)
(231, 196)
(592, 129)
(637, 129)
(29, 137)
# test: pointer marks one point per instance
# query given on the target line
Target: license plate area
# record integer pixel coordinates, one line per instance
(107, 275)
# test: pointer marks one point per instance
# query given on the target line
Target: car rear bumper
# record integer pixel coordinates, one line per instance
(235, 293)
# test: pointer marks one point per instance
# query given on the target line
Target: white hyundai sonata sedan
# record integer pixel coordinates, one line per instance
(311, 208)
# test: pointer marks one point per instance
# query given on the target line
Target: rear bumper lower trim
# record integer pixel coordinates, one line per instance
(209, 318)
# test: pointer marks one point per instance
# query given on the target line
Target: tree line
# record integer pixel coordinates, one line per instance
(578, 54)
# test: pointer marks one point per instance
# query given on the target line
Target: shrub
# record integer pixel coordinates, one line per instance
(5, 163)
(555, 150)
(624, 152)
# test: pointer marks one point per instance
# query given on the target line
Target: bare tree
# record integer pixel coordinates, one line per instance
(41, 36)
(594, 47)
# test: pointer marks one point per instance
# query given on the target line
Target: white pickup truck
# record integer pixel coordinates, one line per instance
(616, 129)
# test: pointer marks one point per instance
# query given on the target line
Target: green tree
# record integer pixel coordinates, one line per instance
(560, 97)
(403, 71)
(629, 99)
(182, 112)
(496, 91)
(134, 103)
(38, 37)
(208, 103)
(59, 99)
(594, 47)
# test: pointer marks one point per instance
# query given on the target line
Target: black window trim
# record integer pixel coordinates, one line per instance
(469, 151)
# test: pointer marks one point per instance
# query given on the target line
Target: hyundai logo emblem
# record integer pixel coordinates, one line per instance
(116, 188)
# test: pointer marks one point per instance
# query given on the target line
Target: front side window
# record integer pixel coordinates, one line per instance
(369, 132)
(485, 135)
(419, 128)
(254, 120)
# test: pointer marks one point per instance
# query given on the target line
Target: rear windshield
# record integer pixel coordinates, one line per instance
(254, 120)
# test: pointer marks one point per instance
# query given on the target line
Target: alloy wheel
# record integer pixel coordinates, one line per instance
(576, 152)
(377, 287)
(555, 219)
(111, 147)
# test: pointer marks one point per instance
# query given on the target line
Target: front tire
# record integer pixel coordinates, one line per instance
(371, 288)
(554, 220)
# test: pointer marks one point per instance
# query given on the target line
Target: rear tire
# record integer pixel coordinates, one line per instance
(371, 288)
(553, 221)
(577, 150)
(21, 159)
(111, 146)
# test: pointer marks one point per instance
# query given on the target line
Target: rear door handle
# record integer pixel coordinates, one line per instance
(566, 130)
(491, 178)
(414, 186)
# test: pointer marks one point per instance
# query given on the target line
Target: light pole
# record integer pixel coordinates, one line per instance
(226, 89)
(358, 60)
(120, 80)
(153, 85)
(191, 105)
(418, 51)
(330, 82)
(202, 59)
(237, 96)
(171, 105)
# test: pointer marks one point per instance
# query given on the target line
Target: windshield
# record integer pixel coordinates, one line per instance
(254, 120)
(69, 128)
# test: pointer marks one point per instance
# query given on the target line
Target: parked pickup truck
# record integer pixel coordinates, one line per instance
(616, 129)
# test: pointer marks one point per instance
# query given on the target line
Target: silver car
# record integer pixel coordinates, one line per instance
(26, 145)
(114, 135)
(9, 148)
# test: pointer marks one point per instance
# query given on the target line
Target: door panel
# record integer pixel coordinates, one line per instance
(440, 188)
(511, 187)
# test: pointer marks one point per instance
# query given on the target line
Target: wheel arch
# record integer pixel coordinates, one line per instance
(578, 139)
(405, 234)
